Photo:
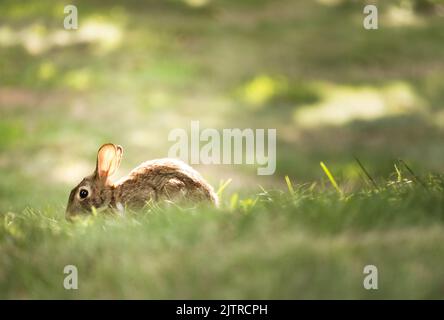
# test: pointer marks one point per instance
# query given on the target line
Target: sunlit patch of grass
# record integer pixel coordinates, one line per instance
(197, 3)
(402, 15)
(37, 38)
(342, 104)
(260, 90)
(78, 79)
(47, 70)
(265, 90)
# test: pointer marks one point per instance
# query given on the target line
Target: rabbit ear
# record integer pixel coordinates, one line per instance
(108, 160)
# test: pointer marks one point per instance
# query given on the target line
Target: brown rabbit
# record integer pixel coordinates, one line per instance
(162, 179)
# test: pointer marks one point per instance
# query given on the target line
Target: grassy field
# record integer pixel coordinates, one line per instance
(298, 244)
(135, 70)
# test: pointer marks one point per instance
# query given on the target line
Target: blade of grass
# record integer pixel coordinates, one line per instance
(234, 200)
(222, 187)
(330, 177)
(398, 173)
(413, 174)
(366, 173)
(289, 184)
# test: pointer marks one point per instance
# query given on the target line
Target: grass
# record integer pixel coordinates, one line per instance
(154, 66)
(303, 243)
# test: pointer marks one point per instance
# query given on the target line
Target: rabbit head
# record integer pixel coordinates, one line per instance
(96, 190)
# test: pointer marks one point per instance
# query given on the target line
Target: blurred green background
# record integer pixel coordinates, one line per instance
(135, 70)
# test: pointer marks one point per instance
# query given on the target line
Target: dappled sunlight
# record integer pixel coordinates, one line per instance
(402, 15)
(53, 167)
(142, 138)
(37, 38)
(78, 79)
(47, 70)
(105, 34)
(197, 3)
(32, 38)
(71, 172)
(260, 90)
(158, 98)
(341, 104)
(330, 3)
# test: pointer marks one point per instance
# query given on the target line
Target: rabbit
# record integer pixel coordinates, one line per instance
(155, 180)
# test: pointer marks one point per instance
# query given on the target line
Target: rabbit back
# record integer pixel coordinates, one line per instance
(163, 179)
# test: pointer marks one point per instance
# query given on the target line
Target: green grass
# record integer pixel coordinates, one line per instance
(307, 243)
(246, 64)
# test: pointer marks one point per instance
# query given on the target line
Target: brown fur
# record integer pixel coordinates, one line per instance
(155, 180)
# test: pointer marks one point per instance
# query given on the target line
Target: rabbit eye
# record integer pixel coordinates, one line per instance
(83, 193)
